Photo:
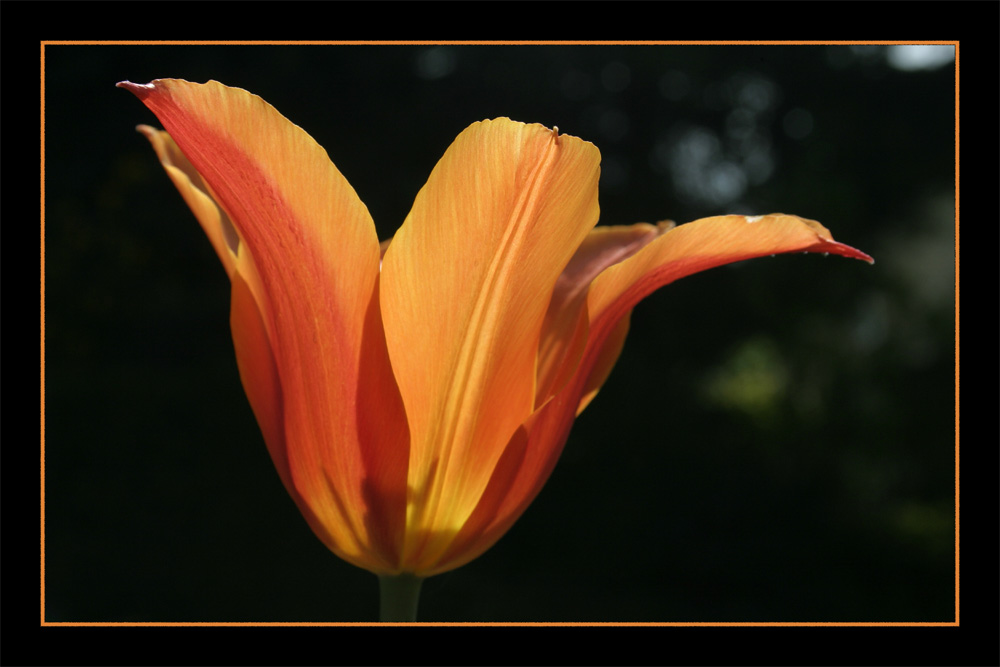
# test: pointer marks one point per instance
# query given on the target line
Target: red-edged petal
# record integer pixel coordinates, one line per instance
(312, 245)
(677, 252)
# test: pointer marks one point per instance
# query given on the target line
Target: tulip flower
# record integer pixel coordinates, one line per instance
(415, 395)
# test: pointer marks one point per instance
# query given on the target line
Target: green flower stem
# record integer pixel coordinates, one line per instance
(398, 596)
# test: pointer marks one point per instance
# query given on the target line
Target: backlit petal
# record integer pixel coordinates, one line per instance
(685, 250)
(314, 247)
(466, 283)
(702, 245)
(676, 252)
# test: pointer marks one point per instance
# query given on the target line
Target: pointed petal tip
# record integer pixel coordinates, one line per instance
(854, 253)
(826, 243)
(834, 248)
(140, 90)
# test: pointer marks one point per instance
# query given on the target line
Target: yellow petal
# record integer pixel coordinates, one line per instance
(312, 245)
(465, 286)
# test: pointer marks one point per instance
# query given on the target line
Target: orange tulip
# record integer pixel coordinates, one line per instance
(416, 396)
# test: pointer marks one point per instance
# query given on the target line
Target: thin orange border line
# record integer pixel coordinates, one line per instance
(508, 624)
(44, 43)
(493, 43)
(957, 336)
(41, 253)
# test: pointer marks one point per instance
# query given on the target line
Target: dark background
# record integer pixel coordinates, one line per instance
(775, 444)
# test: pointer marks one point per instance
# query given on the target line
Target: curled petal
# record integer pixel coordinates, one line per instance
(672, 253)
(702, 245)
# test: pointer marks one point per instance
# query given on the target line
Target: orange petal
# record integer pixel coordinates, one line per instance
(682, 251)
(465, 286)
(259, 375)
(675, 253)
(312, 245)
(704, 244)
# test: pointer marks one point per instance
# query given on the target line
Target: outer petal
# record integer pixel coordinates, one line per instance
(466, 283)
(309, 246)
(259, 374)
(702, 245)
(682, 251)
(532, 453)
